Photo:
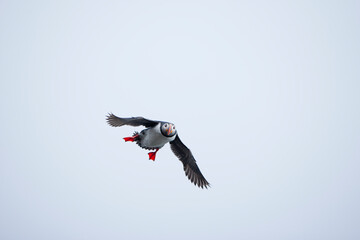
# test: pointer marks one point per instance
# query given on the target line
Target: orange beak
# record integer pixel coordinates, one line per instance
(170, 130)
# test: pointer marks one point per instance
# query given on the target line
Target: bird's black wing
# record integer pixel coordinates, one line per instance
(191, 169)
(133, 121)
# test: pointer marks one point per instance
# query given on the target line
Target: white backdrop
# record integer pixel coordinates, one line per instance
(265, 94)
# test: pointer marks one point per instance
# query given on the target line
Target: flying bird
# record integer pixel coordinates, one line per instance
(155, 136)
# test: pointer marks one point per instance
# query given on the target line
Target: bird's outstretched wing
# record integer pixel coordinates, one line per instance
(191, 169)
(133, 121)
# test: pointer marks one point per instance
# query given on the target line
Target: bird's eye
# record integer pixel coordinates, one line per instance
(173, 127)
(165, 125)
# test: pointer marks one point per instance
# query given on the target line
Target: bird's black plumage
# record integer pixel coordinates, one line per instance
(133, 121)
(191, 169)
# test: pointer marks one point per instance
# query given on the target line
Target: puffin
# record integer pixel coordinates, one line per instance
(155, 135)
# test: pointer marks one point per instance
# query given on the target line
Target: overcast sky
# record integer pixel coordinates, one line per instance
(264, 93)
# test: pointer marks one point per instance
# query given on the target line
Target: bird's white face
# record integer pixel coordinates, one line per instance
(168, 129)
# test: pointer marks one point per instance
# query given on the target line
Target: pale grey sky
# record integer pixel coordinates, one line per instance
(265, 94)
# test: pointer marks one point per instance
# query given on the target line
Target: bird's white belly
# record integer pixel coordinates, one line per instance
(154, 139)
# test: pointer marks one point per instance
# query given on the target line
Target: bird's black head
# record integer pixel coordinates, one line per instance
(167, 129)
